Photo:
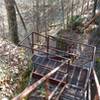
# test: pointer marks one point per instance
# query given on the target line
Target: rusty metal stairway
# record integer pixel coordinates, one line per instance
(64, 80)
(76, 79)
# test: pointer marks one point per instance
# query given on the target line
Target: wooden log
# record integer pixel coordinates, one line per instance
(92, 20)
(32, 87)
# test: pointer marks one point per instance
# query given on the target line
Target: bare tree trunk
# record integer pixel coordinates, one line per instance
(45, 20)
(37, 19)
(12, 21)
(97, 12)
(94, 8)
(21, 18)
(63, 15)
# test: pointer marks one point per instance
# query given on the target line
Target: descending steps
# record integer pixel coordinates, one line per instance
(71, 94)
(76, 79)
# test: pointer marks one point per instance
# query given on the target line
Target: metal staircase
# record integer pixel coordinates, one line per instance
(61, 77)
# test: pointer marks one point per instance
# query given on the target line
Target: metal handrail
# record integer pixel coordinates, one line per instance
(52, 37)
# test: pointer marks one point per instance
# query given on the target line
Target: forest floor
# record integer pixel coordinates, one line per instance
(13, 68)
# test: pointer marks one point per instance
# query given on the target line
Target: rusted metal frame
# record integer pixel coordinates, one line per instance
(55, 63)
(85, 56)
(70, 64)
(76, 87)
(42, 66)
(87, 79)
(56, 75)
(30, 35)
(45, 67)
(51, 59)
(70, 40)
(77, 96)
(72, 75)
(97, 83)
(88, 75)
(52, 54)
(50, 78)
(84, 64)
(47, 53)
(36, 59)
(86, 45)
(43, 60)
(37, 63)
(91, 59)
(88, 59)
(57, 55)
(48, 67)
(24, 39)
(56, 38)
(53, 48)
(71, 94)
(49, 62)
(74, 96)
(57, 98)
(79, 77)
(55, 60)
(52, 94)
(32, 87)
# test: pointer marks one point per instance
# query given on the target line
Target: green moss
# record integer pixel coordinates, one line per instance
(97, 42)
(97, 60)
(23, 80)
(75, 22)
(42, 90)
